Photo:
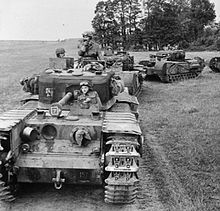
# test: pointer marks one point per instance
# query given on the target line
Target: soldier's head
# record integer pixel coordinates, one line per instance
(85, 86)
(88, 35)
(60, 52)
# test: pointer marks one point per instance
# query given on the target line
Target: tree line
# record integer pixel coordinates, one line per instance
(153, 24)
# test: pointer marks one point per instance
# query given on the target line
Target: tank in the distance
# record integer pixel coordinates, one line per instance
(172, 66)
(120, 58)
(122, 63)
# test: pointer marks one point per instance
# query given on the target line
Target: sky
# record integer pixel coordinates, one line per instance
(217, 8)
(45, 19)
(50, 19)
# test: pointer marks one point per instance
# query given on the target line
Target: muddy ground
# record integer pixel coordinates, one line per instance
(180, 122)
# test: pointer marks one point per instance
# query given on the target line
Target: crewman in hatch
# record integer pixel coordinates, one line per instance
(87, 96)
(89, 49)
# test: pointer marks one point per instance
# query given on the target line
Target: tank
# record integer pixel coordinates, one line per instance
(123, 65)
(172, 66)
(214, 64)
(121, 58)
(77, 127)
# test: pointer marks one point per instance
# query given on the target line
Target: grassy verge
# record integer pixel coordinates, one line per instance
(184, 119)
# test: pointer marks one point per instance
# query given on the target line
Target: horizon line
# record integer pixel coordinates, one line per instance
(57, 40)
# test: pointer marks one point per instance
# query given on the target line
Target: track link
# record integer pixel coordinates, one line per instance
(122, 165)
(5, 190)
(5, 193)
(179, 77)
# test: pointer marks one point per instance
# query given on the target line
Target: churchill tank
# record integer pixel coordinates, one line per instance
(122, 63)
(77, 127)
(171, 66)
(120, 58)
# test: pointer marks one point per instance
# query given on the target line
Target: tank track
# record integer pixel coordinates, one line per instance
(122, 167)
(178, 77)
(8, 180)
(5, 190)
(215, 69)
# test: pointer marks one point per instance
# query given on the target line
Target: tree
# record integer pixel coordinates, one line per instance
(201, 13)
(116, 20)
(161, 25)
(164, 22)
(104, 24)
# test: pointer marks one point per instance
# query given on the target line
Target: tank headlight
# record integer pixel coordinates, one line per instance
(49, 132)
(30, 134)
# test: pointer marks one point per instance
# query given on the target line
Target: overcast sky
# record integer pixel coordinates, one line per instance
(49, 19)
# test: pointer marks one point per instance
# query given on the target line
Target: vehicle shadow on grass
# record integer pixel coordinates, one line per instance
(153, 78)
(44, 197)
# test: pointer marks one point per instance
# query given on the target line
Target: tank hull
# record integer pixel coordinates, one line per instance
(74, 175)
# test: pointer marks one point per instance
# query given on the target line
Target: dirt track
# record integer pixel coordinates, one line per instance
(180, 123)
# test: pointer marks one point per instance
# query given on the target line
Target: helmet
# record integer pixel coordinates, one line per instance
(60, 51)
(85, 83)
(87, 34)
(109, 47)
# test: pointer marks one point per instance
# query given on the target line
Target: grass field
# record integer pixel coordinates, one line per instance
(181, 128)
(180, 123)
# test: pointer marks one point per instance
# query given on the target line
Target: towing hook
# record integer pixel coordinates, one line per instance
(58, 180)
(57, 185)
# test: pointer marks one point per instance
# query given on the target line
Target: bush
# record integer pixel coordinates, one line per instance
(209, 41)
(197, 48)
(183, 44)
(202, 48)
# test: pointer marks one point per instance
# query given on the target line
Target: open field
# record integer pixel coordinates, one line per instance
(181, 125)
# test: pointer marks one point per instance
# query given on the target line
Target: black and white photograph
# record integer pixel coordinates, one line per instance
(109, 105)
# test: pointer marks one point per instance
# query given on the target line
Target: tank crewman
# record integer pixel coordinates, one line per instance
(87, 96)
(60, 52)
(109, 56)
(89, 49)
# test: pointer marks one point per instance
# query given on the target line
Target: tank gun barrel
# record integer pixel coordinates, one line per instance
(56, 108)
(65, 98)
